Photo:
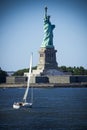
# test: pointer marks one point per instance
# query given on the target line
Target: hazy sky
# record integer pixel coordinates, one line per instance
(21, 32)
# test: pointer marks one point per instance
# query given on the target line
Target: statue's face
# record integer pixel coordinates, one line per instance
(47, 19)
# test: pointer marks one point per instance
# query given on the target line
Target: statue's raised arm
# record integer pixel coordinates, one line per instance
(48, 31)
(45, 11)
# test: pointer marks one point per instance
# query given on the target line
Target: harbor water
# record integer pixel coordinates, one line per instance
(53, 109)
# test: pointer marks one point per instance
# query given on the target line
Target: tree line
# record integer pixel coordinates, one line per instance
(22, 71)
(73, 70)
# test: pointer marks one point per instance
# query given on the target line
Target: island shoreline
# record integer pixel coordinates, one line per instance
(46, 85)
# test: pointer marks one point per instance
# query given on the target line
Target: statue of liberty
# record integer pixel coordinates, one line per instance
(48, 32)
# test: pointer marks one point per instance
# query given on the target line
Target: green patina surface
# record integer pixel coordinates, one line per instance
(48, 32)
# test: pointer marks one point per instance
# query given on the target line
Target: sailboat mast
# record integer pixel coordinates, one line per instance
(28, 82)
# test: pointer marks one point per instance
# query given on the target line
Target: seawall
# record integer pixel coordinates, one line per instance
(46, 85)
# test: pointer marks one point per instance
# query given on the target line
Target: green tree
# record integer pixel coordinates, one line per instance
(3, 75)
(74, 70)
(22, 71)
(63, 68)
(82, 70)
(70, 69)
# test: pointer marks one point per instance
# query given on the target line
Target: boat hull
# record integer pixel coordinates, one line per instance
(15, 106)
(21, 104)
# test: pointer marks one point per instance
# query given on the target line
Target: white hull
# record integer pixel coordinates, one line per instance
(21, 104)
(15, 106)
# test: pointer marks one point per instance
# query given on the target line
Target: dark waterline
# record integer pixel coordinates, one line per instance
(53, 109)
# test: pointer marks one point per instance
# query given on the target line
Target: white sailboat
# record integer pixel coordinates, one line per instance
(17, 105)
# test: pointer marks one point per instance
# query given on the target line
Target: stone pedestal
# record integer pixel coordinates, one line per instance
(47, 59)
(47, 62)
